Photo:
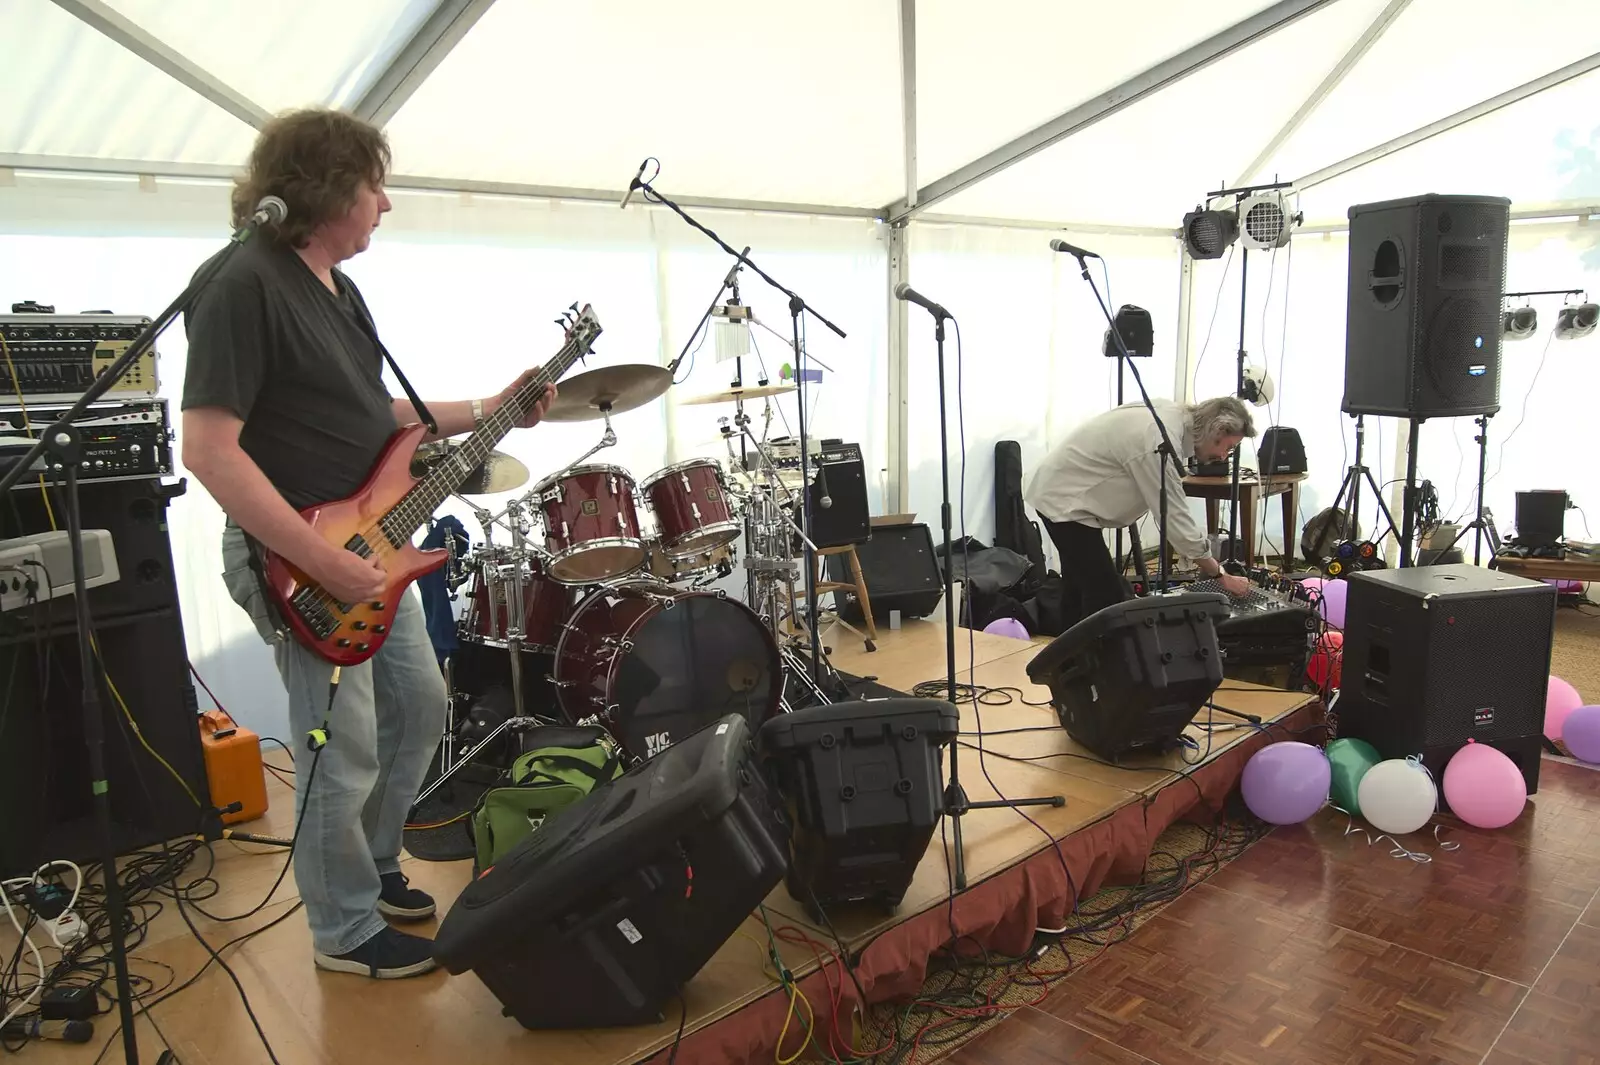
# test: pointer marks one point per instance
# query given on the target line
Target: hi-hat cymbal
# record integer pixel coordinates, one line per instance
(497, 473)
(747, 392)
(589, 395)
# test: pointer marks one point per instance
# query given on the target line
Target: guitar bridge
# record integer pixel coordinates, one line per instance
(316, 608)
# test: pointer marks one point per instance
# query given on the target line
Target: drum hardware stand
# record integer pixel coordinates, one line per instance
(797, 309)
(515, 521)
(608, 439)
(956, 803)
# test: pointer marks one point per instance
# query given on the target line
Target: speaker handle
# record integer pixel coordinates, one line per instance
(1374, 281)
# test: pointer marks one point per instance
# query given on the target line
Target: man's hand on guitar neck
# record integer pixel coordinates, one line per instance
(457, 416)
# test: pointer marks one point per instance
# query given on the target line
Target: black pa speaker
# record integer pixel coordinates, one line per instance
(600, 917)
(1423, 322)
(135, 514)
(901, 572)
(1435, 656)
(44, 762)
(842, 481)
(862, 786)
(1129, 678)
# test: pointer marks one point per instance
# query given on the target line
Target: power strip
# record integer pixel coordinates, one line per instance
(46, 558)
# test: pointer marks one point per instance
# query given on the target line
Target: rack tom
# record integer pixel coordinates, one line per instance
(690, 500)
(591, 524)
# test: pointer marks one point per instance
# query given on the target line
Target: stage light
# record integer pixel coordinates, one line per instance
(1577, 320)
(1266, 220)
(1258, 386)
(1207, 234)
(1520, 324)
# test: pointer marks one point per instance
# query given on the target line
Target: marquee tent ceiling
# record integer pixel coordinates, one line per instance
(804, 104)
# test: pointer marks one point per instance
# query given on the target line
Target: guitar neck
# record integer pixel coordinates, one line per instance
(401, 523)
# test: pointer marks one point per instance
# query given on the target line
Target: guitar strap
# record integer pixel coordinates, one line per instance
(370, 327)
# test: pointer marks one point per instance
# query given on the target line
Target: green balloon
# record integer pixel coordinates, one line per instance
(1350, 760)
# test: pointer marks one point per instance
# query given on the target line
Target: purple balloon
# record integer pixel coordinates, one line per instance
(1581, 733)
(1007, 627)
(1285, 783)
(1331, 607)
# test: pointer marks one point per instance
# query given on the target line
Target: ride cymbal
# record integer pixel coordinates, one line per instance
(588, 396)
(748, 392)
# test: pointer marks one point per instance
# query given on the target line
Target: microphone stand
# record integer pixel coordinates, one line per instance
(956, 803)
(62, 443)
(1165, 448)
(797, 308)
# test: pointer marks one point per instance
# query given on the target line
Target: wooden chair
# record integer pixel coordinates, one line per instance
(857, 584)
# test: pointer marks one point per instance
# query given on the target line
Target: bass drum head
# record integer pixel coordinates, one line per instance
(656, 664)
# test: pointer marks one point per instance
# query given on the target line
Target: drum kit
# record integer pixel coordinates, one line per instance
(595, 606)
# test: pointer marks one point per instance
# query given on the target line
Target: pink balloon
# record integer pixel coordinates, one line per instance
(1483, 787)
(1007, 627)
(1581, 733)
(1334, 594)
(1560, 699)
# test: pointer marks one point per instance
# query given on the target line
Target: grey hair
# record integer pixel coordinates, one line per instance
(1212, 419)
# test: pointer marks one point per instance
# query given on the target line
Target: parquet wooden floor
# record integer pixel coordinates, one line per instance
(1316, 948)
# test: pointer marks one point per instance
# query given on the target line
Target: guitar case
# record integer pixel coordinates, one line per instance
(1012, 528)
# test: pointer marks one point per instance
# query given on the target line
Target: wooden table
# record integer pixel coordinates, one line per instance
(1570, 569)
(1217, 490)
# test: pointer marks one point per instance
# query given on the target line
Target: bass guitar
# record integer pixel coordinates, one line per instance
(380, 519)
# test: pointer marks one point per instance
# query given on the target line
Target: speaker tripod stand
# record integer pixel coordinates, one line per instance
(1479, 524)
(1352, 484)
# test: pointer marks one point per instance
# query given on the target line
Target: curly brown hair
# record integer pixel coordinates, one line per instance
(316, 161)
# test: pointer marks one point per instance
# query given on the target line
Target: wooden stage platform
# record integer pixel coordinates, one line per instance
(735, 1009)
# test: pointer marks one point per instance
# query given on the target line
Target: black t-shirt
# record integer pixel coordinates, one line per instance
(298, 364)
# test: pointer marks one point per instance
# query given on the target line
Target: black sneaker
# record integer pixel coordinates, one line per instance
(400, 900)
(389, 955)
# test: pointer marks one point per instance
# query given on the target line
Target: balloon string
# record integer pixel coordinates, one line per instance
(1399, 851)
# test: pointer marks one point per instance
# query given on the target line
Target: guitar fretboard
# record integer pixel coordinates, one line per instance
(407, 516)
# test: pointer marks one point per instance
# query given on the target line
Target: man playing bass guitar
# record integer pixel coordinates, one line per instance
(285, 407)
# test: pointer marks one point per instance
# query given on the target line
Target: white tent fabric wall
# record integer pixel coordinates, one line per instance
(465, 292)
(1032, 334)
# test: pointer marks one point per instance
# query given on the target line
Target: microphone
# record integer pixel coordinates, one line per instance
(633, 186)
(825, 500)
(903, 291)
(1071, 249)
(270, 209)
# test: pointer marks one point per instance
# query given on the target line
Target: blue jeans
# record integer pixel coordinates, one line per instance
(383, 729)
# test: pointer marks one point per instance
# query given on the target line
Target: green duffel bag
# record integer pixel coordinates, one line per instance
(566, 763)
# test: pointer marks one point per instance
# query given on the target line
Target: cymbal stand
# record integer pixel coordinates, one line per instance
(608, 439)
(516, 520)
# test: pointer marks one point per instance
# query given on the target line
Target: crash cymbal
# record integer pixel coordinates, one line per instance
(618, 388)
(747, 392)
(497, 473)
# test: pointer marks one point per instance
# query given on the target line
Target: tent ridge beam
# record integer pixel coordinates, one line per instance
(1449, 122)
(1346, 63)
(418, 183)
(136, 39)
(1146, 83)
(439, 33)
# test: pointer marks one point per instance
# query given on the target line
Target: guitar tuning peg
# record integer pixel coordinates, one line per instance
(574, 307)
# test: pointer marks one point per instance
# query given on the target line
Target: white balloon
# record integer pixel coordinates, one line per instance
(1397, 797)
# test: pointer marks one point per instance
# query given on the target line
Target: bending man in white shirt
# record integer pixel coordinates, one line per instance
(1107, 474)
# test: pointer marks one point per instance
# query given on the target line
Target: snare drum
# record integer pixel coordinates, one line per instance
(654, 664)
(690, 500)
(591, 525)
(545, 605)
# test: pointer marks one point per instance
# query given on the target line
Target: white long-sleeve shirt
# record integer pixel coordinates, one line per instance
(1107, 474)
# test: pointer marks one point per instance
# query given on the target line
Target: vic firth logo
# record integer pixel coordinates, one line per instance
(657, 742)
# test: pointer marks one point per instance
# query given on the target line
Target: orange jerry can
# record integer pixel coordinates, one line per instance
(233, 764)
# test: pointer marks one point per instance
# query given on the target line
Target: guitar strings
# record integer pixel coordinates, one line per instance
(376, 540)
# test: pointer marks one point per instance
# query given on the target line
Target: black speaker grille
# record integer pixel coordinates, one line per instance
(1467, 699)
(1462, 356)
(1467, 264)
